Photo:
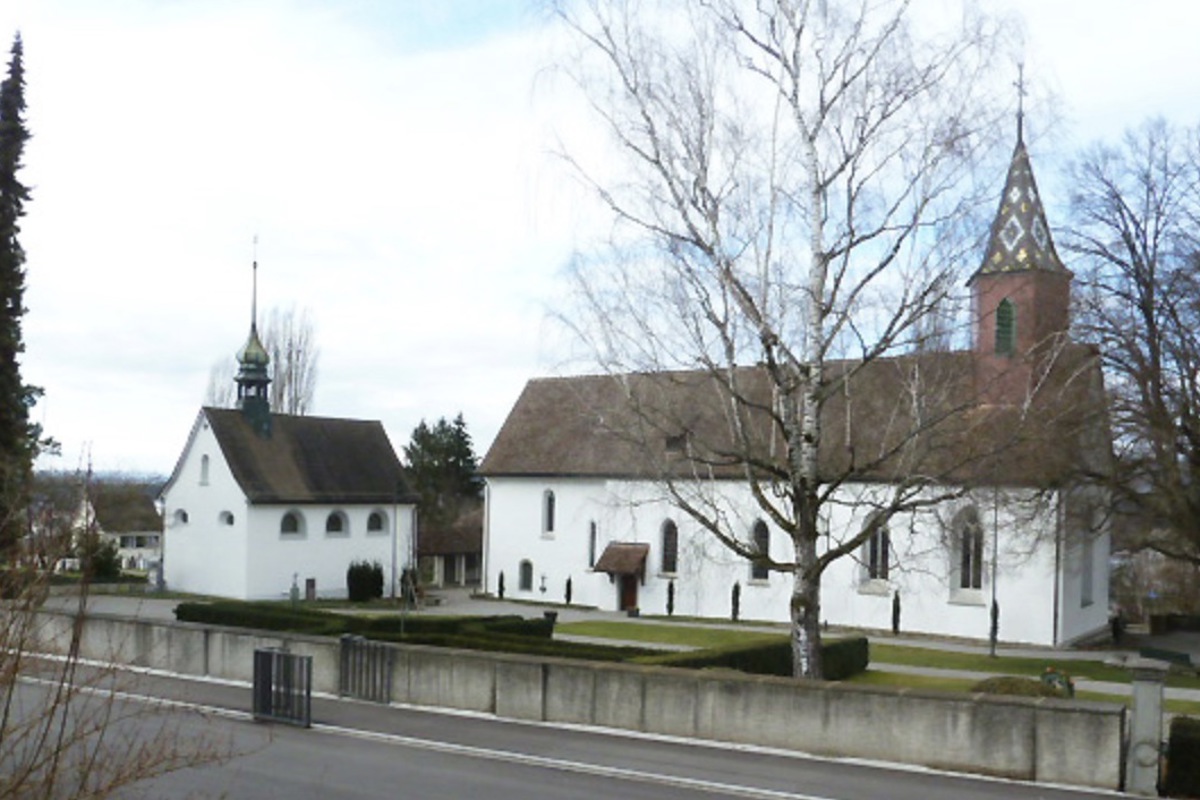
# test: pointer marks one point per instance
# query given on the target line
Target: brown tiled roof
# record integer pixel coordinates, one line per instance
(623, 558)
(125, 507)
(464, 534)
(647, 425)
(310, 459)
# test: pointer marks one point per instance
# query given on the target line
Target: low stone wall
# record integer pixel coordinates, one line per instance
(1073, 742)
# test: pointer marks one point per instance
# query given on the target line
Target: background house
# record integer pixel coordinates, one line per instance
(1016, 515)
(451, 553)
(117, 509)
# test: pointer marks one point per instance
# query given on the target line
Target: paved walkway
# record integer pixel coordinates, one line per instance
(452, 602)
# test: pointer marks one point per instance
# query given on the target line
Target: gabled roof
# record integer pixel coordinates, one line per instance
(648, 425)
(1020, 238)
(310, 459)
(463, 534)
(124, 507)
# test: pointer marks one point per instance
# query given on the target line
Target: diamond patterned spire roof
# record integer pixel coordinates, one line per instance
(1020, 238)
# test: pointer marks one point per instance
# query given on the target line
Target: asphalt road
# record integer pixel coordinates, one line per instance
(360, 750)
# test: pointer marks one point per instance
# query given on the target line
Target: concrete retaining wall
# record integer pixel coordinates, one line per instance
(1032, 739)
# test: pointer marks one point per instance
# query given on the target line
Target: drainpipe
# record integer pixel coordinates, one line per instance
(487, 531)
(395, 536)
(994, 628)
(1058, 536)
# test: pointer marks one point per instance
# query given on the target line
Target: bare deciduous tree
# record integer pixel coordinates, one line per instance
(65, 731)
(1136, 234)
(290, 340)
(794, 190)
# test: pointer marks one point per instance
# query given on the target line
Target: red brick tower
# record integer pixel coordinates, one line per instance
(1021, 295)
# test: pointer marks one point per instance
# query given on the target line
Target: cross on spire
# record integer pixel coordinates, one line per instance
(1020, 84)
(254, 288)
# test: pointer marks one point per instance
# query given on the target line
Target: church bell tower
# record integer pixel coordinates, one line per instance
(253, 378)
(1021, 294)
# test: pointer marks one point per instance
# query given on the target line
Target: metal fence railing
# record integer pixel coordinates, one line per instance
(282, 687)
(366, 669)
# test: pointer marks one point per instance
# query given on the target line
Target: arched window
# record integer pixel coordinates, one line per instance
(1087, 581)
(592, 536)
(226, 517)
(670, 547)
(876, 555)
(336, 524)
(548, 512)
(204, 470)
(525, 576)
(181, 517)
(761, 538)
(376, 522)
(968, 534)
(291, 523)
(1006, 328)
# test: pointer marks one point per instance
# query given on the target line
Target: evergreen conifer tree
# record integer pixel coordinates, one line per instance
(442, 469)
(18, 439)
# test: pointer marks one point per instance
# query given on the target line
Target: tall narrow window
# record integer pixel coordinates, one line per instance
(548, 512)
(1087, 556)
(970, 550)
(592, 536)
(204, 470)
(877, 551)
(670, 547)
(1006, 328)
(762, 546)
(525, 576)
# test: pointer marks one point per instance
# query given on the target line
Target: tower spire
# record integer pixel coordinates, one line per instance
(253, 377)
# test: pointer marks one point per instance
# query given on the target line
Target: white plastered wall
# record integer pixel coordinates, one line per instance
(1026, 579)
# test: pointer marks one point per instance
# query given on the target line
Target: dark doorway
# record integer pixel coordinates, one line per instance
(629, 592)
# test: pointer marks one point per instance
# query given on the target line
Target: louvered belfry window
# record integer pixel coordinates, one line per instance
(1006, 328)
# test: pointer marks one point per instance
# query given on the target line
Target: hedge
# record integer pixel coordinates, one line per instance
(506, 633)
(1183, 758)
(841, 659)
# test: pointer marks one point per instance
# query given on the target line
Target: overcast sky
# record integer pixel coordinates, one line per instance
(392, 157)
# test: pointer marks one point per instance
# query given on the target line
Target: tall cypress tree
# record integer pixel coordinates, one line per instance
(18, 440)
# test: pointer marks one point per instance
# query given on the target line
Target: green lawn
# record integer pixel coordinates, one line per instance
(701, 637)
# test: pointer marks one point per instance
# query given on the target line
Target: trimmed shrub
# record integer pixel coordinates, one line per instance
(1013, 685)
(842, 659)
(1183, 758)
(845, 658)
(264, 616)
(364, 581)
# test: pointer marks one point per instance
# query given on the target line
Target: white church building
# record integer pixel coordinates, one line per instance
(259, 502)
(1019, 518)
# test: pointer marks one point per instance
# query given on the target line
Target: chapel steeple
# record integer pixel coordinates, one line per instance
(253, 378)
(1021, 293)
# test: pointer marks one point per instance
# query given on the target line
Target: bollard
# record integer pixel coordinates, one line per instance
(1145, 735)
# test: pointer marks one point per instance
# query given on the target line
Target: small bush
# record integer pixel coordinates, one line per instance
(1183, 758)
(99, 558)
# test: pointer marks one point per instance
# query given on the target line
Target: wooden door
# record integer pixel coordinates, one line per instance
(629, 592)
